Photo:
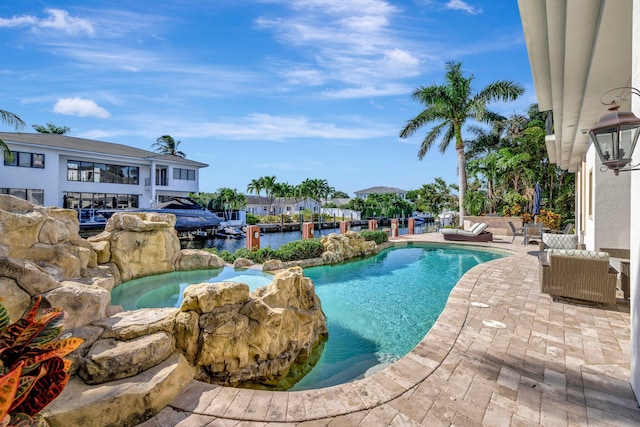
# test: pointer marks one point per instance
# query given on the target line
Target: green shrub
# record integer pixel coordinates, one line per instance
(251, 219)
(292, 251)
(377, 236)
(299, 250)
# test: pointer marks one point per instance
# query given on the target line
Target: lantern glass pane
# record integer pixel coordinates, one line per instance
(628, 138)
(604, 141)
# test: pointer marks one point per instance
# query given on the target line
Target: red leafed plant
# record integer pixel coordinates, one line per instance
(32, 369)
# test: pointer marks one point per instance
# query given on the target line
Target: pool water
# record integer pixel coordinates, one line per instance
(377, 308)
(381, 307)
(165, 290)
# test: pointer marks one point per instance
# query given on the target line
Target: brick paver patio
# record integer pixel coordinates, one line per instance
(501, 354)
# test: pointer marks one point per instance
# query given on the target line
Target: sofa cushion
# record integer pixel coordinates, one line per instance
(578, 253)
(560, 241)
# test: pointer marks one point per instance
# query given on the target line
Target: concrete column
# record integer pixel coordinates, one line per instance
(307, 230)
(344, 227)
(411, 224)
(373, 224)
(394, 227)
(253, 237)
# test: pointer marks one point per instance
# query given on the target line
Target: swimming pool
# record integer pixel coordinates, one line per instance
(377, 308)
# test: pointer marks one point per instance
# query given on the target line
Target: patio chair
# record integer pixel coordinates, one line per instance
(578, 274)
(533, 232)
(476, 233)
(566, 230)
(516, 231)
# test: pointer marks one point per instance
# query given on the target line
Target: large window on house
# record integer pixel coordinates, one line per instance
(102, 172)
(184, 174)
(25, 160)
(35, 196)
(77, 200)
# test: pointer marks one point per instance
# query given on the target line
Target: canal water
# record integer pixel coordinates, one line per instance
(273, 240)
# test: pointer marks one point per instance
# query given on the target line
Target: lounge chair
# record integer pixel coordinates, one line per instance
(476, 233)
(578, 274)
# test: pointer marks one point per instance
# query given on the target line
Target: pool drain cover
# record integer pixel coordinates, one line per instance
(479, 304)
(494, 324)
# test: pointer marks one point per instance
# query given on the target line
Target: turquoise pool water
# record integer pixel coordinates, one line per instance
(377, 308)
(165, 290)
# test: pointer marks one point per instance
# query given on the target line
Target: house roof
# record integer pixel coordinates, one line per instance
(381, 190)
(91, 146)
(577, 53)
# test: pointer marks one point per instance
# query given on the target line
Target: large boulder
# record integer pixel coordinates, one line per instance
(111, 359)
(83, 304)
(341, 247)
(47, 236)
(252, 339)
(139, 243)
(195, 259)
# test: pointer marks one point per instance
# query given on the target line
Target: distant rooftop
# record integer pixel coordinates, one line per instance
(380, 190)
(90, 146)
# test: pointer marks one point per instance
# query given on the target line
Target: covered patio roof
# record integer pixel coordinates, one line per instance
(578, 50)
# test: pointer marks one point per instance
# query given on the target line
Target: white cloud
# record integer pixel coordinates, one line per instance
(58, 20)
(80, 107)
(463, 6)
(352, 43)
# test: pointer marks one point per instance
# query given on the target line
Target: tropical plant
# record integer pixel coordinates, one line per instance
(32, 369)
(510, 160)
(51, 128)
(9, 119)
(167, 145)
(377, 236)
(227, 200)
(451, 105)
(435, 198)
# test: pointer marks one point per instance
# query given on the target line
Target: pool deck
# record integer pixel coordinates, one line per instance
(501, 354)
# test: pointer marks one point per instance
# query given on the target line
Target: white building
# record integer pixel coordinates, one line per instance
(363, 194)
(59, 170)
(579, 52)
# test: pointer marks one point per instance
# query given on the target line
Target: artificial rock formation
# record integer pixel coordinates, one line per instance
(222, 333)
(268, 339)
(341, 247)
(46, 236)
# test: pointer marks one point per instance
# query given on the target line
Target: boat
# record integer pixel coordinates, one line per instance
(190, 216)
(230, 232)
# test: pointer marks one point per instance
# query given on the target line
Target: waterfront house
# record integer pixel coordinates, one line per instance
(363, 194)
(88, 175)
(583, 55)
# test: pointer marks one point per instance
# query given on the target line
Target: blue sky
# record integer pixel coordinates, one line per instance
(294, 89)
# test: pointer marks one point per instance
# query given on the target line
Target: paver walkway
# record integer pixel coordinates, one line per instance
(501, 354)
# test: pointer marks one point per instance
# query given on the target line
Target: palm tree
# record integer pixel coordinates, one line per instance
(269, 186)
(51, 128)
(451, 104)
(167, 145)
(12, 120)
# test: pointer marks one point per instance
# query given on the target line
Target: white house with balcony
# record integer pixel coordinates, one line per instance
(583, 55)
(86, 175)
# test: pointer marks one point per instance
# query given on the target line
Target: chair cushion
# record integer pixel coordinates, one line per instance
(560, 241)
(480, 228)
(578, 253)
